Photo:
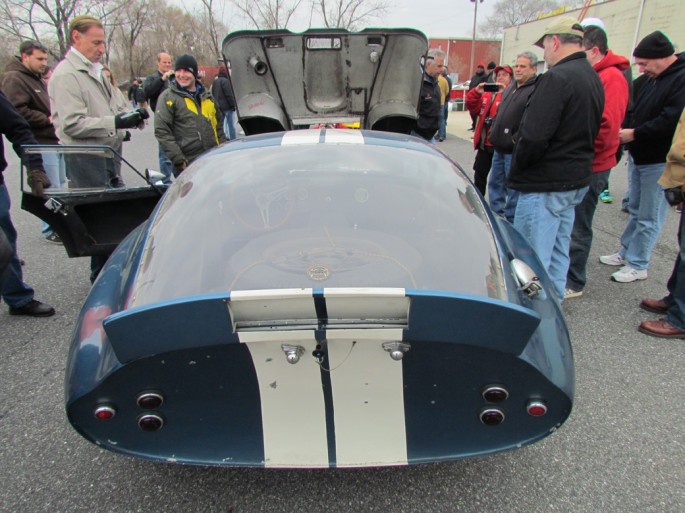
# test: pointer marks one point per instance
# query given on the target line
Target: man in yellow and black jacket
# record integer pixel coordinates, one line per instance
(188, 121)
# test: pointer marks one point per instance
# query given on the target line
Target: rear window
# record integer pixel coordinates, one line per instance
(319, 215)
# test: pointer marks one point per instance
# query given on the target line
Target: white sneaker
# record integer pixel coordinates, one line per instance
(614, 259)
(571, 293)
(627, 274)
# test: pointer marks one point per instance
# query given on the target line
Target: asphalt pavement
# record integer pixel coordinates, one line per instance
(622, 450)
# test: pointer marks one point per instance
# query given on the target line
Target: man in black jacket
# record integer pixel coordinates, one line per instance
(430, 106)
(658, 106)
(223, 94)
(17, 294)
(552, 160)
(153, 87)
(503, 134)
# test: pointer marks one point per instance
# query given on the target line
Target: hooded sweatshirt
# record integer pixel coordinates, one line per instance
(610, 70)
(29, 95)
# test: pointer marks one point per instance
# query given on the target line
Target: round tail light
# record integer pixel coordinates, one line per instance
(495, 394)
(492, 416)
(104, 412)
(150, 422)
(536, 408)
(150, 400)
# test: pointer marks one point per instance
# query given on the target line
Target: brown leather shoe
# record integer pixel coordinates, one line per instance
(661, 328)
(654, 305)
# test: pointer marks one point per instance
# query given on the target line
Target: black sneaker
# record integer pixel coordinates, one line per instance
(53, 238)
(33, 309)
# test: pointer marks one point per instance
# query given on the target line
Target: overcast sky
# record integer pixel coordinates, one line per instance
(435, 18)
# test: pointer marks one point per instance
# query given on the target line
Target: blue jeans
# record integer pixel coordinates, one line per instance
(54, 168)
(502, 200)
(229, 124)
(546, 220)
(647, 210)
(442, 130)
(676, 284)
(416, 134)
(165, 166)
(581, 236)
(13, 290)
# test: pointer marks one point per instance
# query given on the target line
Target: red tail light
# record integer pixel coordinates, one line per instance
(104, 412)
(536, 408)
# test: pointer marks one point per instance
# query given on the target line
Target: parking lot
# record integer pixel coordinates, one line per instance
(622, 450)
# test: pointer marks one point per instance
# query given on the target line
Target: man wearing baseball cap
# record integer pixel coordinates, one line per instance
(611, 68)
(188, 121)
(485, 106)
(648, 135)
(552, 161)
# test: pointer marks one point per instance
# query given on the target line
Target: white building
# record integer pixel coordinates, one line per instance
(626, 23)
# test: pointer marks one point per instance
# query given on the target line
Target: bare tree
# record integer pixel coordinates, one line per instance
(47, 21)
(113, 16)
(268, 14)
(349, 14)
(42, 20)
(175, 31)
(509, 13)
(212, 13)
(133, 20)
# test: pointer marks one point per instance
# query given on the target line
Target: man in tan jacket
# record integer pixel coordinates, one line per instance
(86, 111)
(673, 305)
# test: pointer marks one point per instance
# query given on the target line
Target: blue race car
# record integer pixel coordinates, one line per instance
(313, 297)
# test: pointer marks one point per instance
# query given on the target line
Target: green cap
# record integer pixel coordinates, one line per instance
(563, 25)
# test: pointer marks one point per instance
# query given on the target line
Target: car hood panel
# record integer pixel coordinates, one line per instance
(372, 77)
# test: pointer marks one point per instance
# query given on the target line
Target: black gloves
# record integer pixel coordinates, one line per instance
(38, 180)
(674, 195)
(178, 168)
(131, 119)
(143, 112)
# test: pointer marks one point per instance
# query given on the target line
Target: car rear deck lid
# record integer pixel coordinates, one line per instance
(282, 80)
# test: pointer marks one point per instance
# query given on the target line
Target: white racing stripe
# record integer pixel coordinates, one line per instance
(292, 402)
(249, 306)
(368, 398)
(367, 303)
(301, 137)
(367, 385)
(343, 137)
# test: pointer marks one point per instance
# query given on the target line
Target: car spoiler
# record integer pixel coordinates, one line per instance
(244, 316)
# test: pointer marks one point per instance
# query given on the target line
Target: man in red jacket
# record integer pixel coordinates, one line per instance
(609, 67)
(484, 105)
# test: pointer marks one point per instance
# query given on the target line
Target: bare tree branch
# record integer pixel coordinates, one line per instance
(509, 13)
(349, 14)
(268, 14)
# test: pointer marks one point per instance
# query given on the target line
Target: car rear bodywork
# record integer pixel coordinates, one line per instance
(395, 330)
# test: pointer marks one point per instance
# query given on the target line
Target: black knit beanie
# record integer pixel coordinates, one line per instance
(188, 63)
(654, 46)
